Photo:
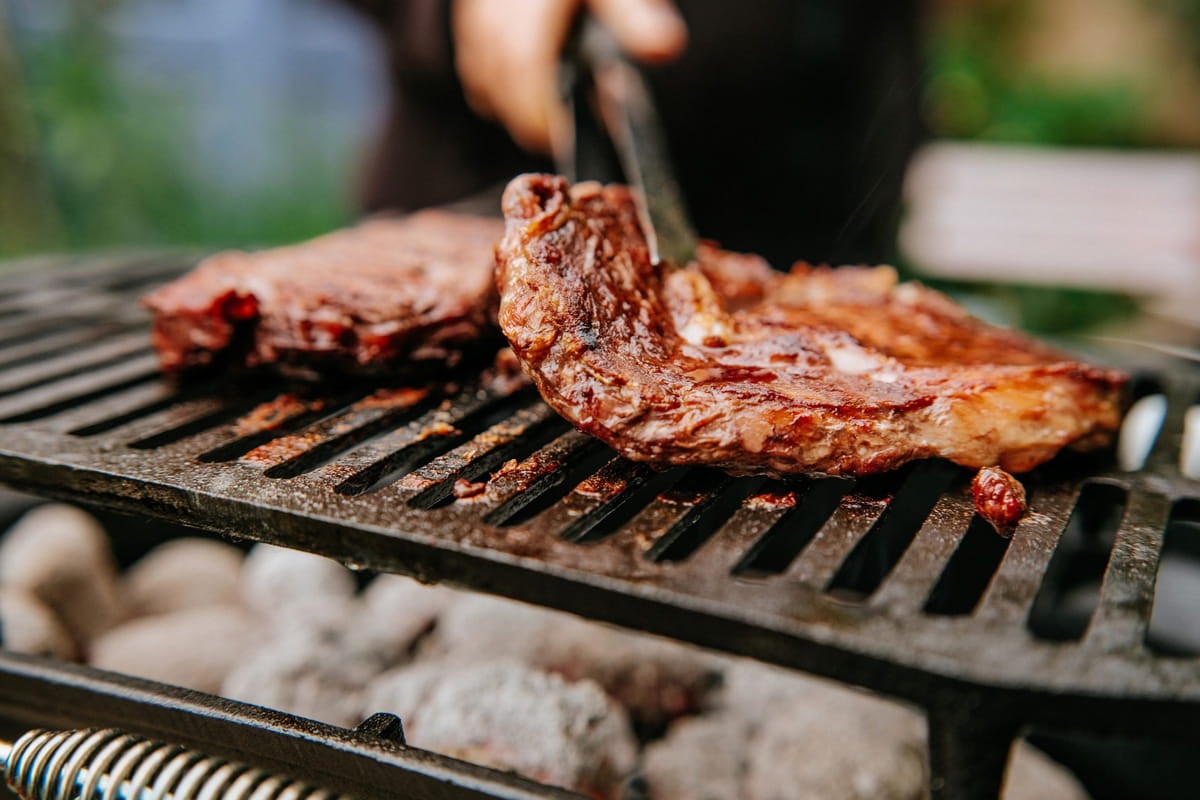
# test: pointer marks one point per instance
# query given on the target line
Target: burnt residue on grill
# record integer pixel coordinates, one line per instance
(273, 413)
(512, 438)
(465, 490)
(377, 410)
(772, 500)
(395, 399)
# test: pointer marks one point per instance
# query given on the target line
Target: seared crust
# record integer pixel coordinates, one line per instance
(363, 299)
(727, 364)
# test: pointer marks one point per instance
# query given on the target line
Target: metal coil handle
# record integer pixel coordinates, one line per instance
(111, 765)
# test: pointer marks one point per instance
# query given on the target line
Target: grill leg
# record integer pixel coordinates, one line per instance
(968, 751)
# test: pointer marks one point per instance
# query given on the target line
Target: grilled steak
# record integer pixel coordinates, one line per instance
(364, 299)
(728, 364)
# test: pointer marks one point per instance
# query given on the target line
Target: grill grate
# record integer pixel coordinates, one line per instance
(888, 583)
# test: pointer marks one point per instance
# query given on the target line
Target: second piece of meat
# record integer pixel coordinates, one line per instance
(365, 299)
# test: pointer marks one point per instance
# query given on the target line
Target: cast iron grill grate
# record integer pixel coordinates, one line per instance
(890, 583)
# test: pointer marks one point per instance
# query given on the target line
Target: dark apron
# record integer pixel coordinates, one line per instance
(790, 123)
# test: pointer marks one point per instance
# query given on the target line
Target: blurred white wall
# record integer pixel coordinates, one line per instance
(1100, 219)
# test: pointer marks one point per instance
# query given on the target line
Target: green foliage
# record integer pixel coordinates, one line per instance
(1061, 310)
(975, 91)
(121, 173)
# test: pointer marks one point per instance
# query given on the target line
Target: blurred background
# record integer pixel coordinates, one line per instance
(1062, 151)
(188, 122)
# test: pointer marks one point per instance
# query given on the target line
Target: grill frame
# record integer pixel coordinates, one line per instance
(370, 762)
(981, 677)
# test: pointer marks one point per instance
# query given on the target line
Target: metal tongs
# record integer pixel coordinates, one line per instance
(599, 77)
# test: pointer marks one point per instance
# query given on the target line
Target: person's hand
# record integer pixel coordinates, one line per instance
(508, 51)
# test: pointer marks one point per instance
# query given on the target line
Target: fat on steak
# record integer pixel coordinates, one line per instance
(726, 363)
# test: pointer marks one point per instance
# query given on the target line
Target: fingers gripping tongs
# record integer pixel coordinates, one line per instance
(612, 114)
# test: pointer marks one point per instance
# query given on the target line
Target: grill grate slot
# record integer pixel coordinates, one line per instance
(930, 555)
(45, 347)
(962, 584)
(9, 312)
(1171, 631)
(78, 390)
(881, 548)
(779, 546)
(1066, 600)
(115, 351)
(83, 307)
(95, 272)
(514, 438)
(207, 415)
(688, 487)
(1127, 593)
(1167, 452)
(1189, 462)
(723, 496)
(849, 522)
(290, 456)
(275, 419)
(140, 403)
(611, 497)
(760, 511)
(382, 461)
(545, 477)
(1141, 425)
(1011, 595)
(35, 300)
(22, 332)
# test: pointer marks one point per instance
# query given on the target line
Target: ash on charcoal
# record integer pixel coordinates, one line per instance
(393, 615)
(755, 690)
(61, 555)
(655, 680)
(406, 690)
(182, 574)
(483, 627)
(303, 671)
(838, 744)
(27, 625)
(511, 716)
(194, 648)
(701, 758)
(278, 582)
(820, 739)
